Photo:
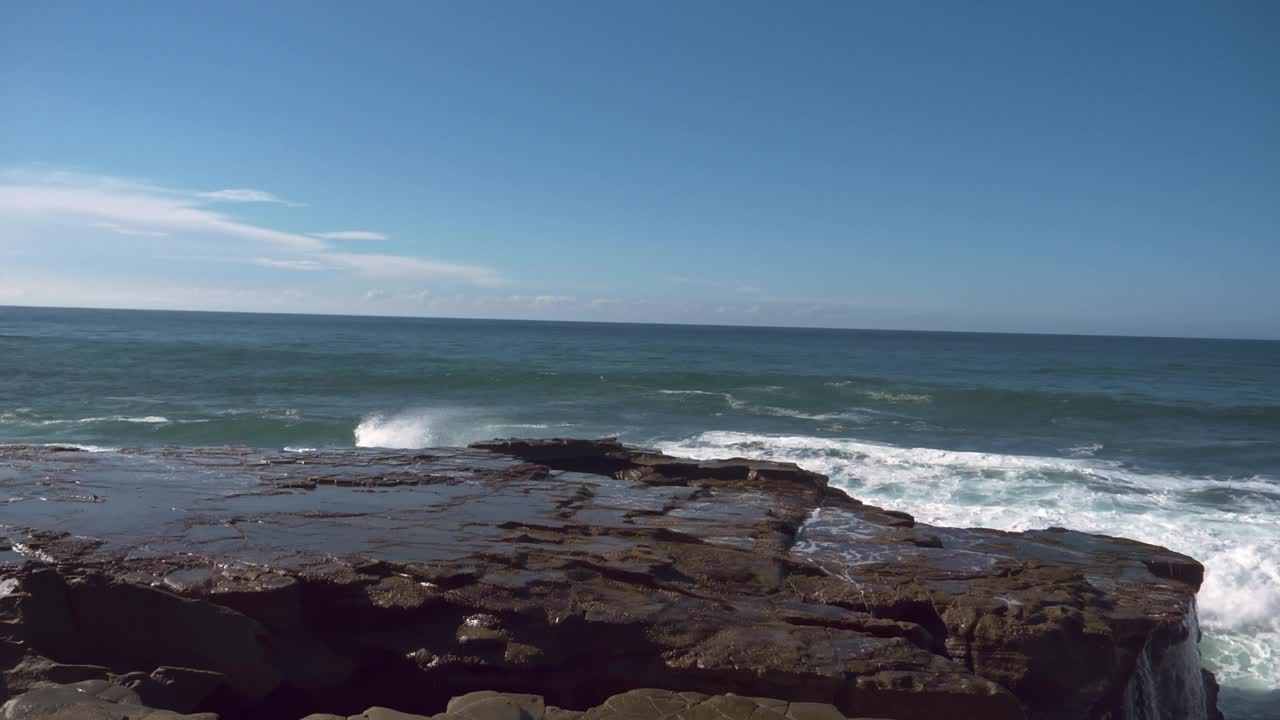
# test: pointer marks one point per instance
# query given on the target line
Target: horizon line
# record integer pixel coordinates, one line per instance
(1117, 336)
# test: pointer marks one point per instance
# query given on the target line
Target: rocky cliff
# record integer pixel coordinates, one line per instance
(263, 584)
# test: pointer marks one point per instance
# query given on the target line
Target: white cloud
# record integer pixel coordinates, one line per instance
(288, 264)
(412, 267)
(122, 230)
(553, 299)
(126, 207)
(350, 235)
(245, 195)
(161, 213)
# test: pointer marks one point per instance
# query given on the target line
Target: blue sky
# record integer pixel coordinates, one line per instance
(1072, 167)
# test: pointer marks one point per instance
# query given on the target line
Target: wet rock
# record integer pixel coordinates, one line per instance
(641, 704)
(128, 626)
(381, 713)
(87, 700)
(571, 570)
(180, 689)
(488, 705)
(31, 671)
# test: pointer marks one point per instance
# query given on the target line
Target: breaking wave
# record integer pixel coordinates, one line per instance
(413, 429)
(428, 427)
(1240, 598)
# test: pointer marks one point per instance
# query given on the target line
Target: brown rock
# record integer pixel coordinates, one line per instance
(88, 700)
(487, 705)
(576, 570)
(381, 713)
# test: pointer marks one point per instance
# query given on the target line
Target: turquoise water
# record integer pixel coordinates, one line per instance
(1172, 441)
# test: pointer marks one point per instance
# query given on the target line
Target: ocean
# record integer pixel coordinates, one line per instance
(1170, 441)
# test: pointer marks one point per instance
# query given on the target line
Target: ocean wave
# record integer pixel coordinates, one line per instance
(897, 397)
(856, 415)
(729, 399)
(1240, 598)
(263, 413)
(22, 417)
(1083, 450)
(882, 395)
(144, 420)
(527, 426)
(84, 447)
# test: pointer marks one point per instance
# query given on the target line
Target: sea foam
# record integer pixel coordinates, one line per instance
(1239, 601)
(410, 429)
(856, 415)
(426, 427)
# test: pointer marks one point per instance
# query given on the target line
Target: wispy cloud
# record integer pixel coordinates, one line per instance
(156, 213)
(122, 230)
(127, 207)
(553, 299)
(350, 235)
(246, 195)
(288, 264)
(412, 267)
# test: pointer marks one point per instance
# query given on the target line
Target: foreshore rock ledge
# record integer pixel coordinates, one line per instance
(581, 578)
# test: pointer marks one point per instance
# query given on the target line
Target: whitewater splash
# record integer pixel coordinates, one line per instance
(439, 427)
(410, 429)
(1240, 598)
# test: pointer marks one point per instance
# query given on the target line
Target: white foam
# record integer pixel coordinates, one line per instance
(149, 419)
(428, 427)
(21, 420)
(882, 395)
(498, 427)
(1239, 601)
(857, 415)
(898, 397)
(404, 430)
(74, 446)
(1083, 450)
(85, 448)
(728, 398)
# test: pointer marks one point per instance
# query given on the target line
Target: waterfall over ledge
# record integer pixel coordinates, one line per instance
(1168, 683)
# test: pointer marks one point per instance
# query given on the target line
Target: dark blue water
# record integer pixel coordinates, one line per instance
(1171, 441)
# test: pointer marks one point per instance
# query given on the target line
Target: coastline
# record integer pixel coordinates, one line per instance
(632, 560)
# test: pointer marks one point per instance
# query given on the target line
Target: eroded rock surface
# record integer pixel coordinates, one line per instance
(86, 700)
(276, 584)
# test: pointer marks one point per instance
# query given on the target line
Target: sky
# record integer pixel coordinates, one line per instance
(1090, 167)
